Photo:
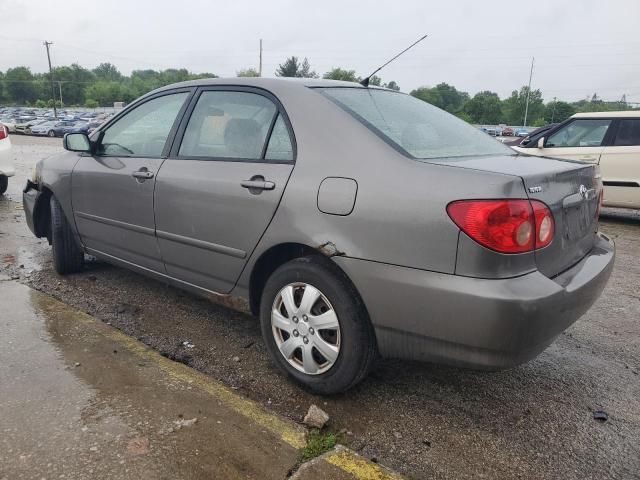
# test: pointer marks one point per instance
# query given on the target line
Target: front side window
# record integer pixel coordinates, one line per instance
(628, 133)
(416, 127)
(226, 124)
(144, 130)
(580, 133)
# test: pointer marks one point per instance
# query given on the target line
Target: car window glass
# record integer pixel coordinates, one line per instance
(144, 130)
(228, 124)
(279, 147)
(420, 129)
(628, 133)
(580, 133)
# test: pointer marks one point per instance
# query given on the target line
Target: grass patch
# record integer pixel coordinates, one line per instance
(317, 444)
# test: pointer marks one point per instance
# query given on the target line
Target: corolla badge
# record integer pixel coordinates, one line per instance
(583, 191)
(536, 189)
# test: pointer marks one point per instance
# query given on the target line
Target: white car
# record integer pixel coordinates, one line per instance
(6, 165)
(610, 139)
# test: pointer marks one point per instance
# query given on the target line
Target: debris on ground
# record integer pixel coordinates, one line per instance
(185, 423)
(236, 359)
(600, 415)
(138, 446)
(316, 417)
(187, 344)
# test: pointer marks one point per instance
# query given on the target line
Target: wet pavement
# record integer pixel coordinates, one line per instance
(79, 402)
(426, 421)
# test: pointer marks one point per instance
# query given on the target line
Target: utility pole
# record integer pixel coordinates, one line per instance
(53, 88)
(260, 68)
(526, 108)
(553, 112)
(60, 87)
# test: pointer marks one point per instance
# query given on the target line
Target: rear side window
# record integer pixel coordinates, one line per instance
(580, 133)
(227, 124)
(415, 127)
(279, 147)
(145, 129)
(628, 133)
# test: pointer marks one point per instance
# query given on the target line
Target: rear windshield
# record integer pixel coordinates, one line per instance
(415, 127)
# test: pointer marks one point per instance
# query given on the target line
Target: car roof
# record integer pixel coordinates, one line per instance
(625, 113)
(266, 83)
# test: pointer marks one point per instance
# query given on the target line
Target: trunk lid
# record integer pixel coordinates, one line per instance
(570, 189)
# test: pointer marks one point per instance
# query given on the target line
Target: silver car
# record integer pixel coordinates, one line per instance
(355, 222)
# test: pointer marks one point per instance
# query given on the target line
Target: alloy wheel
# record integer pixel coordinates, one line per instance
(306, 328)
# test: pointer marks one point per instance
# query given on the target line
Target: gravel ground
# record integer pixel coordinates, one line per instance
(426, 421)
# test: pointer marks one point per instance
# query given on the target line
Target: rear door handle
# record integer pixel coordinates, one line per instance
(142, 174)
(257, 183)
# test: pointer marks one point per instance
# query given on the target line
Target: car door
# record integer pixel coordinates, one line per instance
(581, 139)
(112, 190)
(620, 166)
(218, 191)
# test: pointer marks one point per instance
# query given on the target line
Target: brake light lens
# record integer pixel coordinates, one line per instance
(506, 226)
(4, 132)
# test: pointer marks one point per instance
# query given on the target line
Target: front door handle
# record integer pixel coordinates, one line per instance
(257, 183)
(142, 174)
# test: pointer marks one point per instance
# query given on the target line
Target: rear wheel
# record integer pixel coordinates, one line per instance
(316, 327)
(4, 183)
(67, 254)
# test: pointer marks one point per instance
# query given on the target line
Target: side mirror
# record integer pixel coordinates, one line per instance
(541, 142)
(76, 142)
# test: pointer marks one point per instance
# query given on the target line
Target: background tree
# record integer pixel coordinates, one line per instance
(442, 96)
(293, 68)
(73, 81)
(247, 72)
(392, 86)
(341, 74)
(514, 107)
(20, 86)
(484, 108)
(107, 71)
(555, 112)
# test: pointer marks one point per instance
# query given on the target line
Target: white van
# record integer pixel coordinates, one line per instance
(611, 139)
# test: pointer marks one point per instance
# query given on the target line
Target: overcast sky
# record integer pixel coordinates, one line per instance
(580, 46)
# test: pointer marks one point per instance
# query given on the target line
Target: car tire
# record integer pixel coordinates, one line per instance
(354, 338)
(68, 257)
(51, 133)
(4, 183)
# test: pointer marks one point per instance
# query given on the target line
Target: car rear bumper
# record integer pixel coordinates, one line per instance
(479, 323)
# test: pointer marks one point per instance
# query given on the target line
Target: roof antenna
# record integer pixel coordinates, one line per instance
(365, 82)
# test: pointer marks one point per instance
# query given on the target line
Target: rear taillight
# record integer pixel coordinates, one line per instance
(506, 226)
(4, 132)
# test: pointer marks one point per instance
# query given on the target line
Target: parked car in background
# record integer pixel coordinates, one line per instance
(525, 140)
(208, 199)
(65, 126)
(521, 132)
(507, 132)
(45, 128)
(6, 163)
(9, 123)
(608, 139)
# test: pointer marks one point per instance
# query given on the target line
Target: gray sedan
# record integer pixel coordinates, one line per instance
(354, 221)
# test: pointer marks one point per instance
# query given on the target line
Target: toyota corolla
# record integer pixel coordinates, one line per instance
(355, 222)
